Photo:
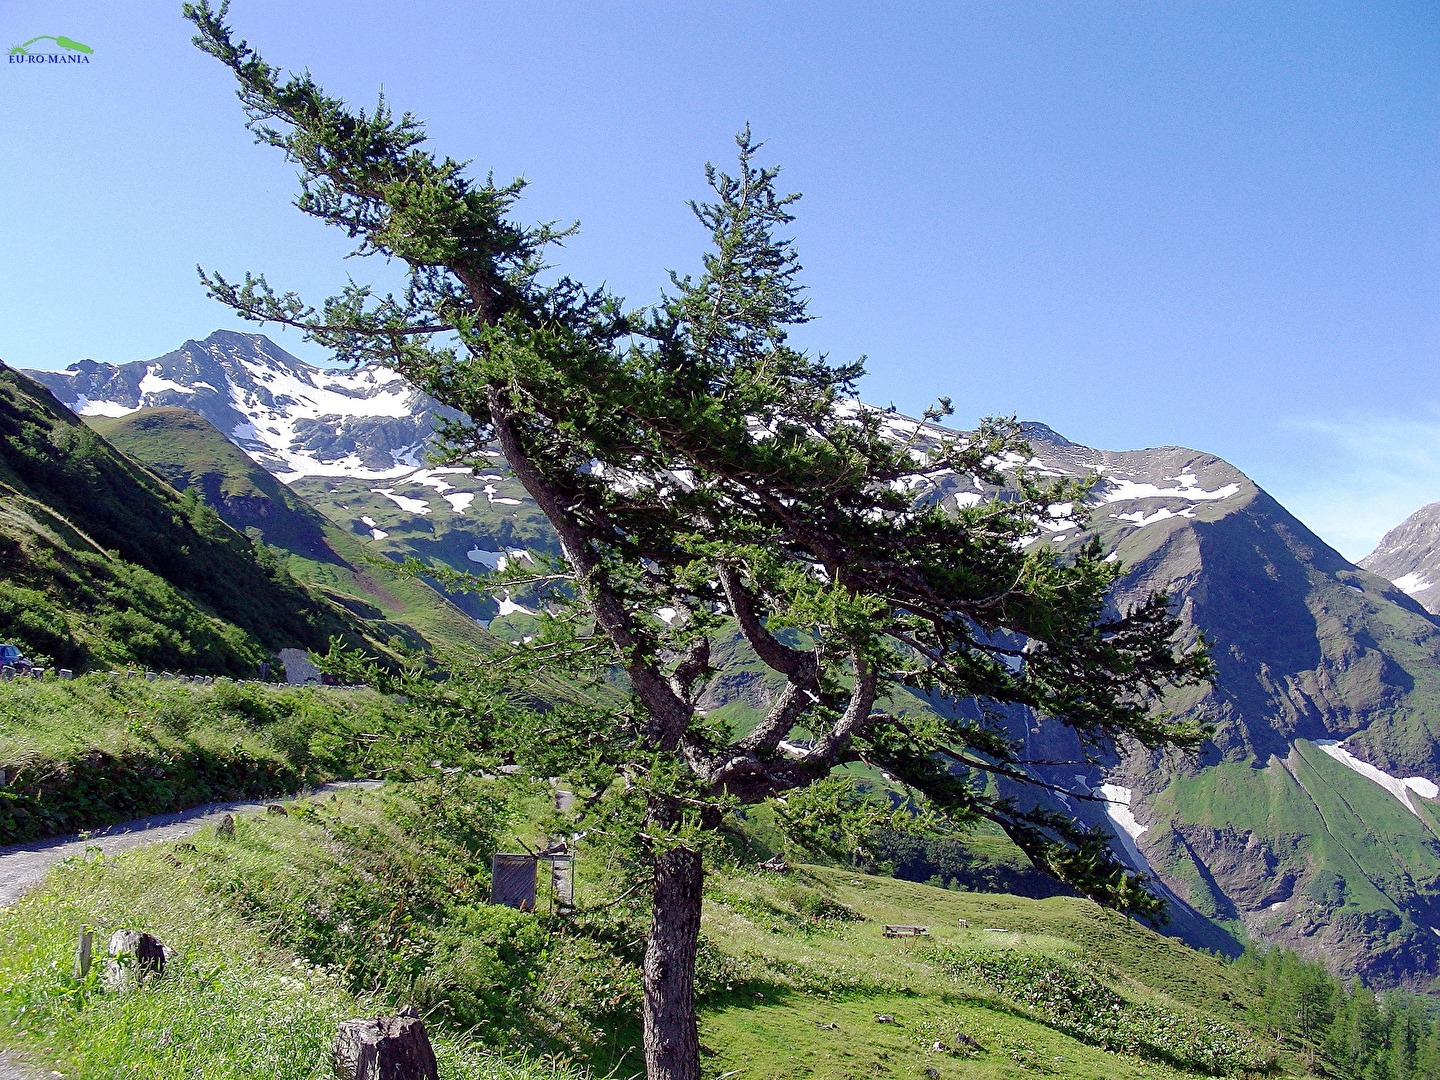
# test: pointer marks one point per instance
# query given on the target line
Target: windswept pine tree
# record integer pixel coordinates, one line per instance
(707, 479)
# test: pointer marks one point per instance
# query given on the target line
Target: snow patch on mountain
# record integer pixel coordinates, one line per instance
(497, 560)
(492, 493)
(414, 506)
(509, 607)
(1122, 817)
(1121, 489)
(83, 406)
(1140, 519)
(1401, 789)
(430, 478)
(1412, 583)
(154, 383)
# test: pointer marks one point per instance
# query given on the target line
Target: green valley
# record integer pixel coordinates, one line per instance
(105, 564)
(352, 571)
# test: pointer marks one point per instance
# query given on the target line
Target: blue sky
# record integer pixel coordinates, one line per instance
(1214, 225)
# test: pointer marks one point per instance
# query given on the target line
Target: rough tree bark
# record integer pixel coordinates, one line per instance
(384, 1048)
(672, 1036)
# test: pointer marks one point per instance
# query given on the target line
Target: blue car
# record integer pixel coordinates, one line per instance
(11, 656)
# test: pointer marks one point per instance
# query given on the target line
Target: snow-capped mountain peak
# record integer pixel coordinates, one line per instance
(296, 419)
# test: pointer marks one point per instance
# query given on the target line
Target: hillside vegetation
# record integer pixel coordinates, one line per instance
(370, 900)
(98, 750)
(192, 454)
(104, 563)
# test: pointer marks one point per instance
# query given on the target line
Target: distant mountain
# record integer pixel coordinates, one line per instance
(1312, 819)
(104, 563)
(193, 455)
(352, 444)
(293, 418)
(1409, 555)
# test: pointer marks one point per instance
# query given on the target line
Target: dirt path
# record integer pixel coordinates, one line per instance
(24, 866)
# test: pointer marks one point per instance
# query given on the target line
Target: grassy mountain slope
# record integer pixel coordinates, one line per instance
(375, 899)
(1272, 834)
(98, 749)
(192, 455)
(1263, 830)
(1304, 850)
(412, 517)
(107, 564)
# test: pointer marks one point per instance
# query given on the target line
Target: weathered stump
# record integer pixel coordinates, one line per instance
(134, 956)
(384, 1048)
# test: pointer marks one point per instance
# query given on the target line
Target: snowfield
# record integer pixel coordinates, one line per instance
(1401, 789)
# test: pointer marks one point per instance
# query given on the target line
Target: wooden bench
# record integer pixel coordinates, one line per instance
(906, 931)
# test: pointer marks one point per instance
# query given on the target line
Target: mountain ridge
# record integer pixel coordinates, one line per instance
(1409, 555)
(105, 563)
(1325, 670)
(189, 453)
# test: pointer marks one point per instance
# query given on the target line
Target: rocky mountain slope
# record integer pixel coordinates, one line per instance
(352, 444)
(1409, 555)
(1309, 821)
(193, 455)
(104, 563)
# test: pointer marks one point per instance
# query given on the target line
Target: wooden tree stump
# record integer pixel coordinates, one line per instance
(134, 956)
(385, 1048)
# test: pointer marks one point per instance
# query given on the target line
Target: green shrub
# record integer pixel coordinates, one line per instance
(1073, 997)
(97, 750)
(389, 894)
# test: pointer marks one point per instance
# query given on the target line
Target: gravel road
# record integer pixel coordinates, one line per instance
(10, 1071)
(23, 866)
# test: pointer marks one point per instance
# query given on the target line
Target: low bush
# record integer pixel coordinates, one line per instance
(388, 893)
(97, 750)
(1073, 997)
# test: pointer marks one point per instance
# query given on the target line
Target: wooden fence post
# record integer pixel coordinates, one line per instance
(82, 952)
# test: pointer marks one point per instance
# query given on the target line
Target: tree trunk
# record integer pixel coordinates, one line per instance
(672, 1037)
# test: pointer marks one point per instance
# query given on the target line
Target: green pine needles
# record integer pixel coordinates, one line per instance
(710, 484)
